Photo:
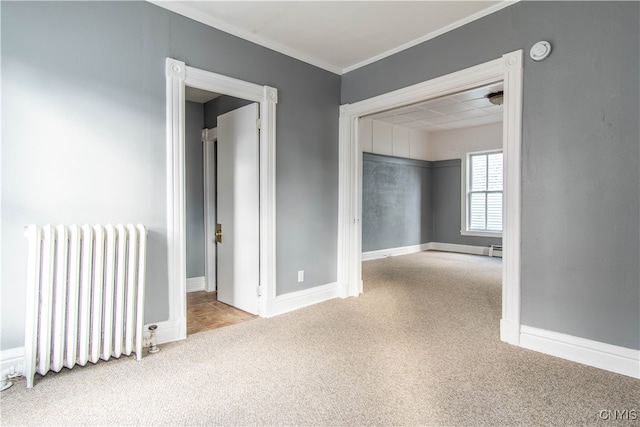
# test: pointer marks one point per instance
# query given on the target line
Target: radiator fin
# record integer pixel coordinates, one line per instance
(85, 295)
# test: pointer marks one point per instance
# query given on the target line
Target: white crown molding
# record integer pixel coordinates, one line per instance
(190, 12)
(431, 35)
(185, 9)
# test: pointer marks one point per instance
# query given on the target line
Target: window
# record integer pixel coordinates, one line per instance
(484, 193)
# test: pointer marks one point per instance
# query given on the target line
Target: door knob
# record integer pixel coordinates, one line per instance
(219, 233)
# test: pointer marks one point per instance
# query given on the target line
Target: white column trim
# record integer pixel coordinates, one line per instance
(179, 75)
(512, 147)
(267, 198)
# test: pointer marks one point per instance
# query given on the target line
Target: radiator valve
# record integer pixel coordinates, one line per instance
(153, 340)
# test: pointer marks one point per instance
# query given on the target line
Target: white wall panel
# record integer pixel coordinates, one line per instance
(382, 138)
(400, 141)
(455, 143)
(419, 144)
(365, 134)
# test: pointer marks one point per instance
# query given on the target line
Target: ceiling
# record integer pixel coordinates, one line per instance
(338, 36)
(465, 109)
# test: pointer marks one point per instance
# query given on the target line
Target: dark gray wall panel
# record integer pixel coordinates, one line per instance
(94, 75)
(194, 123)
(220, 105)
(446, 203)
(580, 167)
(396, 196)
(408, 202)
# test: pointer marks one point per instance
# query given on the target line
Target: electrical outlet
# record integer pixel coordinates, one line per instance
(300, 276)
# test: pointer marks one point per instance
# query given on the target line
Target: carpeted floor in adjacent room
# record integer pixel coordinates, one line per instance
(420, 347)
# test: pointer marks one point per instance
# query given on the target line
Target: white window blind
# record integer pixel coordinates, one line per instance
(484, 195)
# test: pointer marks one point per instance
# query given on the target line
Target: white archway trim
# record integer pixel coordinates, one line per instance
(507, 69)
(179, 75)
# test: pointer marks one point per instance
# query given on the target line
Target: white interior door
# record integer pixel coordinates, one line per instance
(238, 266)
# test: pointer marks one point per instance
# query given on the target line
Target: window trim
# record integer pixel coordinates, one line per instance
(465, 174)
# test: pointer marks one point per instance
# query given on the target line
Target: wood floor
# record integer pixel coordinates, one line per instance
(205, 312)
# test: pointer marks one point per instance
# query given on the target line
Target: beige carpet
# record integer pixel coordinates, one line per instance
(419, 347)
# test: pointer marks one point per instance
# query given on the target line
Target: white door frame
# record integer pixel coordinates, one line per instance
(209, 137)
(179, 75)
(507, 69)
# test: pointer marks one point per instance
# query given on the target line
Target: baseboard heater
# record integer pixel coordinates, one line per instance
(493, 248)
(85, 295)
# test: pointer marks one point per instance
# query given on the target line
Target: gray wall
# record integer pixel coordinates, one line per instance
(580, 154)
(194, 188)
(93, 73)
(446, 204)
(220, 105)
(408, 202)
(396, 202)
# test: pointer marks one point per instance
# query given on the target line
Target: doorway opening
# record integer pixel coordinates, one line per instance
(417, 163)
(507, 70)
(179, 78)
(432, 180)
(211, 289)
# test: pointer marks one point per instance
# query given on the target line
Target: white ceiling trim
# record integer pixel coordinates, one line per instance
(432, 35)
(184, 9)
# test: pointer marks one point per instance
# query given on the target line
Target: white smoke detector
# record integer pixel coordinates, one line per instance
(540, 51)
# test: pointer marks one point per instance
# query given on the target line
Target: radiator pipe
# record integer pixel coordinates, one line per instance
(153, 340)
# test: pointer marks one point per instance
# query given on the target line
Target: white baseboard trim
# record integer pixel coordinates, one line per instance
(509, 332)
(431, 246)
(609, 357)
(386, 253)
(168, 331)
(300, 299)
(11, 361)
(195, 284)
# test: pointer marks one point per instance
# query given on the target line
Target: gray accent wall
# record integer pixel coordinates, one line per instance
(93, 74)
(219, 106)
(446, 205)
(580, 242)
(396, 202)
(194, 188)
(408, 202)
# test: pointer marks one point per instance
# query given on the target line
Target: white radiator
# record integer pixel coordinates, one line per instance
(85, 295)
